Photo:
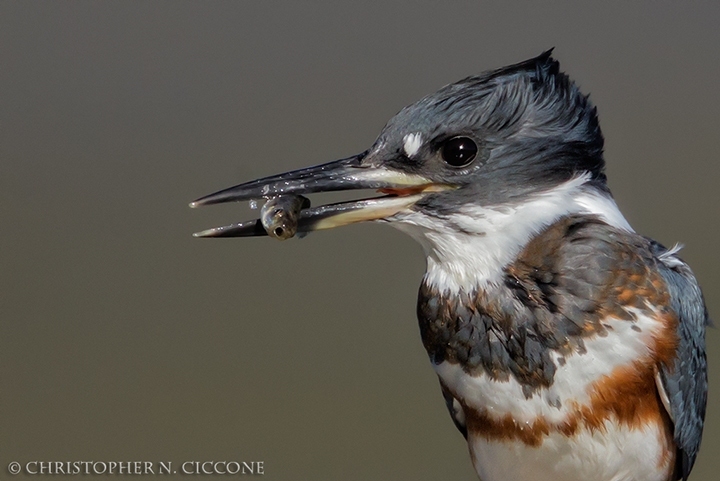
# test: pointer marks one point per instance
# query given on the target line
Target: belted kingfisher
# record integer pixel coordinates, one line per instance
(568, 347)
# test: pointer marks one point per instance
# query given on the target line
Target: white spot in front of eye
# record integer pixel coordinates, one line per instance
(412, 143)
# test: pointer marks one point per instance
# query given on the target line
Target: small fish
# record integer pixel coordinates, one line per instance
(279, 215)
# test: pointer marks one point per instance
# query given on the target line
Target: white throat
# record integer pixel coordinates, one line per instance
(469, 249)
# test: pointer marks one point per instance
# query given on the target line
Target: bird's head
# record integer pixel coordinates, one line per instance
(507, 150)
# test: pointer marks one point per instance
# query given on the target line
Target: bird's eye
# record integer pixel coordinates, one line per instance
(459, 151)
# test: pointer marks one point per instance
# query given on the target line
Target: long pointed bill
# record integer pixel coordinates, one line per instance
(345, 174)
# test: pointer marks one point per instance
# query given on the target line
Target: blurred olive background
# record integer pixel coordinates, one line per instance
(124, 338)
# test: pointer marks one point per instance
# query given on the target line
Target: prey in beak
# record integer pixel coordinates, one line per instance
(401, 191)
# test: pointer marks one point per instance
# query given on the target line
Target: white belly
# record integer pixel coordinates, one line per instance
(617, 454)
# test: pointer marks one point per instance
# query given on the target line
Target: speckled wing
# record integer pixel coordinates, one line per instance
(685, 384)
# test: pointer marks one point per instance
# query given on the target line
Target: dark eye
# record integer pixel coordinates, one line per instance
(459, 151)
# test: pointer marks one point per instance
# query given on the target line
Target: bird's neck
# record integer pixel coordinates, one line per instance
(468, 250)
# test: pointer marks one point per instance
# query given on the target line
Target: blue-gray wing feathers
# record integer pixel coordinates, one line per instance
(685, 383)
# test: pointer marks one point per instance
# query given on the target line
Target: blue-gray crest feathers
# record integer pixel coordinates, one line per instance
(529, 114)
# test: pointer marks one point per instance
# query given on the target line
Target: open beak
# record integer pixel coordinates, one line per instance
(402, 191)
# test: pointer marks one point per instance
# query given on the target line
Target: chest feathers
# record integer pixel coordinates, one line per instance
(567, 342)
